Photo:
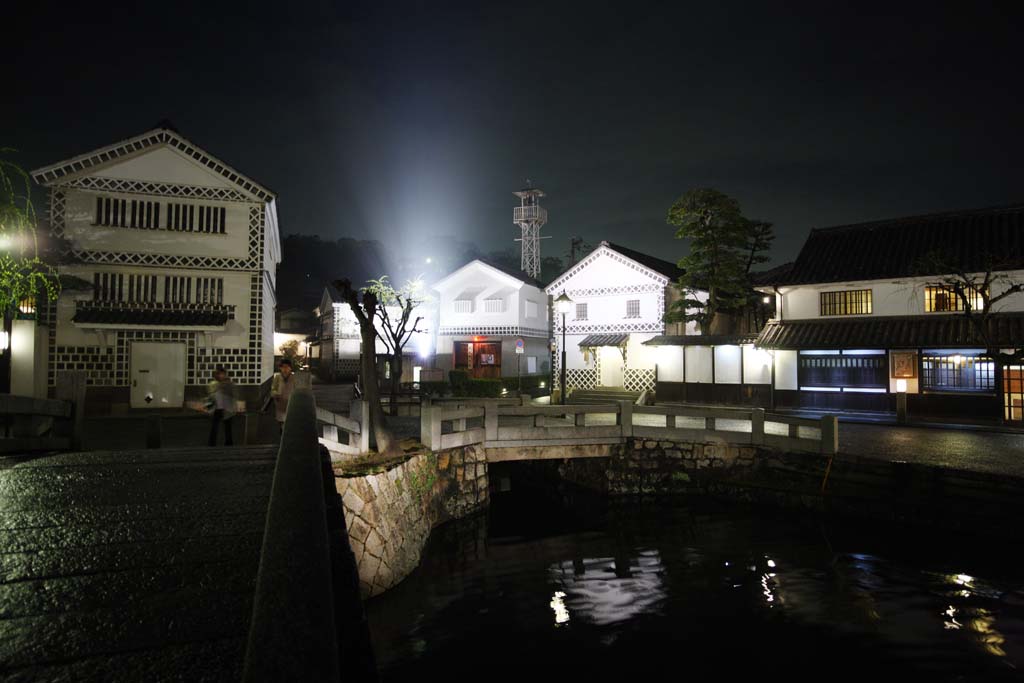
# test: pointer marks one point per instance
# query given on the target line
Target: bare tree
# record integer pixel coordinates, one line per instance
(365, 311)
(394, 313)
(977, 293)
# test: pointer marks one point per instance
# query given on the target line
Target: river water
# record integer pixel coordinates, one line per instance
(577, 588)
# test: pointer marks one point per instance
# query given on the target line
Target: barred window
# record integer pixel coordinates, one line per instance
(581, 311)
(463, 305)
(847, 302)
(142, 288)
(494, 305)
(143, 214)
(838, 369)
(958, 373)
(941, 298)
(633, 308)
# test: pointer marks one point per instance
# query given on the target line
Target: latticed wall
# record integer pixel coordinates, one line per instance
(638, 379)
(110, 365)
(578, 378)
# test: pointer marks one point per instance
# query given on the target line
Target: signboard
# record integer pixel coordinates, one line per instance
(520, 346)
(904, 364)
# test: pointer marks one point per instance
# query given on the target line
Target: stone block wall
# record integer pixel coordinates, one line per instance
(391, 513)
(655, 467)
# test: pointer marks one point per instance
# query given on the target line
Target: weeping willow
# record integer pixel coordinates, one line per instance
(24, 276)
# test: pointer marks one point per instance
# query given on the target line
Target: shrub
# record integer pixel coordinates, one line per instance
(530, 384)
(458, 379)
(482, 388)
(433, 388)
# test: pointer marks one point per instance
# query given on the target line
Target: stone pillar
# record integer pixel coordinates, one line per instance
(757, 426)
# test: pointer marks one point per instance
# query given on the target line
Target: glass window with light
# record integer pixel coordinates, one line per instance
(943, 299)
(958, 373)
(847, 302)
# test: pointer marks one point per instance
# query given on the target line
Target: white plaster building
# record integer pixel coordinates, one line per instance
(862, 314)
(620, 297)
(340, 343)
(181, 250)
(483, 309)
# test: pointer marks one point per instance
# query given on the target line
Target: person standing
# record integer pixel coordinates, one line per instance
(281, 390)
(223, 403)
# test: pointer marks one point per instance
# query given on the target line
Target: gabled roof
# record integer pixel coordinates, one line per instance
(163, 134)
(969, 241)
(666, 268)
(516, 275)
(651, 263)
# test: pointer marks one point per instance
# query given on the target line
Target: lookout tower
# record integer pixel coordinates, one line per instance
(531, 217)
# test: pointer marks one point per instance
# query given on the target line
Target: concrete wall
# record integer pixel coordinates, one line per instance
(390, 513)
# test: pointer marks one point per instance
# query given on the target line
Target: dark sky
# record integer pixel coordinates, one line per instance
(402, 121)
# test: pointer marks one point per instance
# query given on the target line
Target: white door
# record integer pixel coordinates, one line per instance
(611, 366)
(158, 375)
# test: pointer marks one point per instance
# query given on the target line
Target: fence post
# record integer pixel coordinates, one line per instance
(364, 427)
(490, 420)
(829, 434)
(426, 407)
(709, 424)
(250, 428)
(757, 426)
(626, 417)
(71, 387)
(670, 421)
(581, 420)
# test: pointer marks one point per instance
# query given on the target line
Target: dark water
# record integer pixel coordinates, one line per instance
(584, 590)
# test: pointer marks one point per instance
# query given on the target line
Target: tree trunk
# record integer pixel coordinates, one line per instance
(386, 443)
(396, 380)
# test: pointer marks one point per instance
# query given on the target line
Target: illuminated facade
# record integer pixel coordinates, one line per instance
(179, 252)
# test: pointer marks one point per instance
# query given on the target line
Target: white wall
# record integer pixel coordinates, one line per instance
(757, 365)
(698, 364)
(670, 363)
(727, 364)
(786, 370)
(28, 358)
(477, 282)
(888, 297)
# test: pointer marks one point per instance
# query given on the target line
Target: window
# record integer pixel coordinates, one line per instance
(531, 309)
(957, 373)
(581, 311)
(940, 298)
(862, 370)
(849, 302)
(494, 305)
(207, 290)
(142, 288)
(143, 214)
(633, 308)
(463, 305)
(122, 213)
(531, 364)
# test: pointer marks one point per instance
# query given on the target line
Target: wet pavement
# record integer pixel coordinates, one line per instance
(134, 565)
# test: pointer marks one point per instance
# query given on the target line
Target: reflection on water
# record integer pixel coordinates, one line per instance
(648, 590)
(604, 590)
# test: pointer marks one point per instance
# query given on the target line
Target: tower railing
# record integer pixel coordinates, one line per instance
(523, 214)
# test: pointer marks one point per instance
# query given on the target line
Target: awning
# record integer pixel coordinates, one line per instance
(605, 340)
(701, 340)
(1005, 330)
(150, 317)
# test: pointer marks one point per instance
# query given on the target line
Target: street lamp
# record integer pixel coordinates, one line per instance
(563, 302)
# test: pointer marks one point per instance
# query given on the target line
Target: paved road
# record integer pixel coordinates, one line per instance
(137, 565)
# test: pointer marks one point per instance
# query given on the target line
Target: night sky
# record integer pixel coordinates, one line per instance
(403, 122)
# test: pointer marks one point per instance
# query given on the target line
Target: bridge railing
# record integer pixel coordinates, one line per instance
(42, 424)
(345, 436)
(446, 425)
(293, 635)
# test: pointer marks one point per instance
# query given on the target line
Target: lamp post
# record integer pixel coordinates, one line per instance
(563, 302)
